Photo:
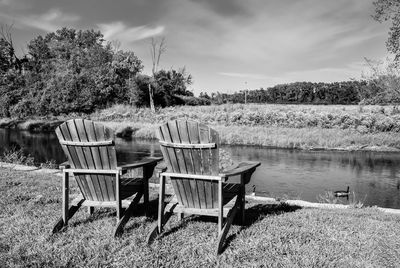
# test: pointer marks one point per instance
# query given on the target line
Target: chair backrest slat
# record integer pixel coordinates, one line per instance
(92, 139)
(90, 145)
(104, 156)
(191, 148)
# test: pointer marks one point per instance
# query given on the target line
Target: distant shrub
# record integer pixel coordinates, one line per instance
(371, 119)
(17, 156)
(193, 101)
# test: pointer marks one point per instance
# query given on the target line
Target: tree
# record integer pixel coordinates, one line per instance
(157, 48)
(169, 89)
(389, 10)
(8, 57)
(381, 83)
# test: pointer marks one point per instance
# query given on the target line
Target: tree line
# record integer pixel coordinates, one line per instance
(347, 92)
(77, 71)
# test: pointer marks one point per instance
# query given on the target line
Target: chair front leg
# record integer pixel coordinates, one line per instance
(161, 204)
(242, 196)
(118, 196)
(65, 205)
(146, 197)
(220, 208)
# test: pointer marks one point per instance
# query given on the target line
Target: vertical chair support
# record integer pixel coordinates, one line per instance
(90, 210)
(146, 197)
(220, 208)
(242, 197)
(118, 195)
(65, 197)
(161, 204)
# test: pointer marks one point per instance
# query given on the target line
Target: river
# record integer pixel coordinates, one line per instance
(373, 177)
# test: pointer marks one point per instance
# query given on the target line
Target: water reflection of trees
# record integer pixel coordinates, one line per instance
(42, 146)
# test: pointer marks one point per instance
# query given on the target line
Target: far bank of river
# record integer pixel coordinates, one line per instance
(314, 138)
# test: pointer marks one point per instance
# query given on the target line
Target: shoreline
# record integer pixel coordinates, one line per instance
(273, 137)
(252, 198)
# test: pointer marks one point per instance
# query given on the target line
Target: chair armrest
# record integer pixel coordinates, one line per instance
(64, 165)
(144, 162)
(243, 167)
(161, 167)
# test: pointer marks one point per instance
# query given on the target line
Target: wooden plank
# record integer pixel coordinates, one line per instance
(171, 152)
(188, 146)
(187, 154)
(183, 183)
(174, 164)
(179, 191)
(87, 143)
(99, 130)
(214, 137)
(91, 134)
(82, 160)
(111, 204)
(192, 176)
(164, 151)
(109, 180)
(214, 163)
(76, 162)
(93, 171)
(205, 153)
(204, 134)
(112, 155)
(194, 138)
(176, 139)
(80, 127)
(67, 152)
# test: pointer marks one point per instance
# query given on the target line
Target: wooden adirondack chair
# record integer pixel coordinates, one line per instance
(92, 160)
(191, 152)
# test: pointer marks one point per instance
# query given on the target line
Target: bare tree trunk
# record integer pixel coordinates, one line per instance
(151, 95)
(156, 53)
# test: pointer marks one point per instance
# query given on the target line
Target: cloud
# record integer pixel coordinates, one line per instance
(127, 35)
(50, 21)
(245, 75)
(5, 2)
(225, 7)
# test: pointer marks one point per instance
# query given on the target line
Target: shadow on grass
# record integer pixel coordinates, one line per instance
(101, 213)
(257, 213)
(252, 214)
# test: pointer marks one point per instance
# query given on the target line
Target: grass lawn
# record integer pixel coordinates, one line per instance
(275, 235)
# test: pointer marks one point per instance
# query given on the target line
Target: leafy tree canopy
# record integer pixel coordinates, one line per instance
(389, 10)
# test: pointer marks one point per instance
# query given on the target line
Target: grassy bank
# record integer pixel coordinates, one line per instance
(275, 235)
(284, 126)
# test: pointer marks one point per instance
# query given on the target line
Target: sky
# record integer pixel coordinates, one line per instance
(226, 45)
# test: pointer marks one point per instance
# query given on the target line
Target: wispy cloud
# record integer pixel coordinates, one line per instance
(5, 2)
(245, 75)
(127, 35)
(50, 21)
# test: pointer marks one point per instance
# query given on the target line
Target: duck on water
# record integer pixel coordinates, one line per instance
(343, 193)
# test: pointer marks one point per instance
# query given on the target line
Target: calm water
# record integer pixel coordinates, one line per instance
(373, 177)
